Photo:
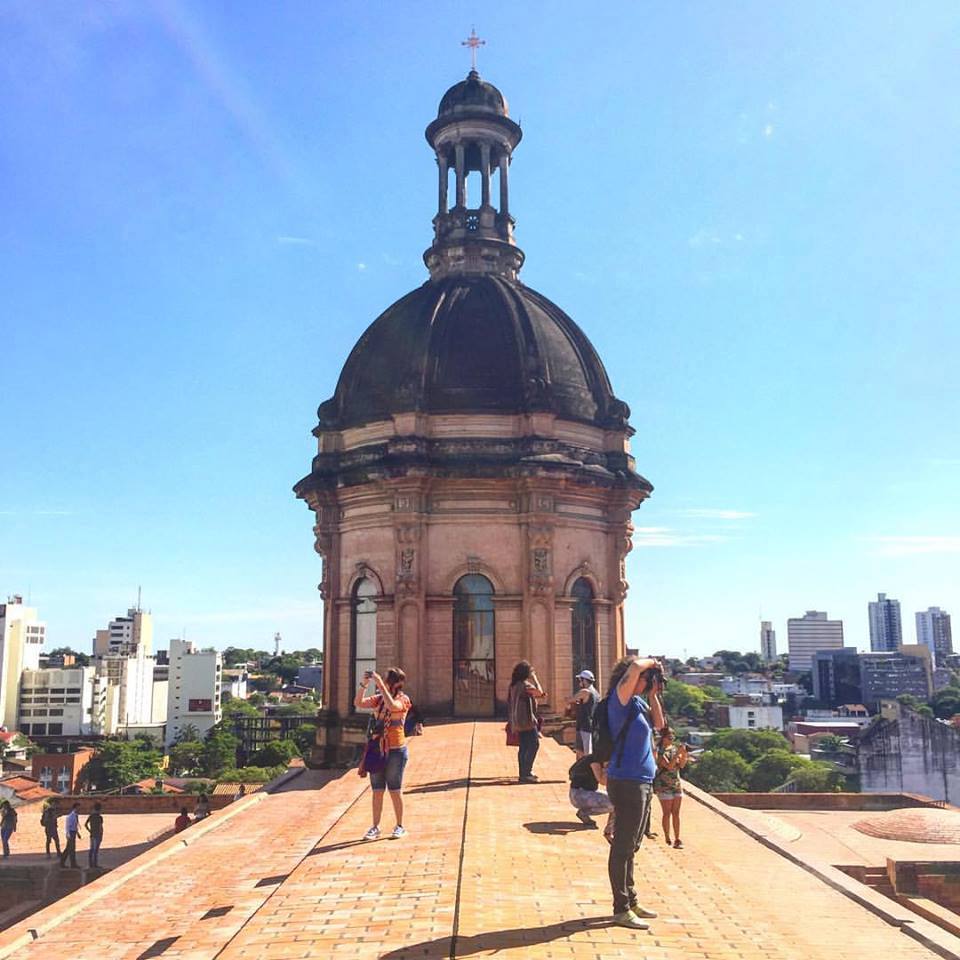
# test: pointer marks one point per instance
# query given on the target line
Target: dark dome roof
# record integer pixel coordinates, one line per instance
(472, 96)
(473, 345)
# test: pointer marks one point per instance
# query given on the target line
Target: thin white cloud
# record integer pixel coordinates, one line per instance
(768, 130)
(705, 238)
(291, 240)
(668, 537)
(902, 546)
(226, 84)
(361, 267)
(708, 513)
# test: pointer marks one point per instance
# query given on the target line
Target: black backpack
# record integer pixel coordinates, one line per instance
(604, 742)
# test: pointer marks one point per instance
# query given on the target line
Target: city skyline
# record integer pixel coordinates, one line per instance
(201, 225)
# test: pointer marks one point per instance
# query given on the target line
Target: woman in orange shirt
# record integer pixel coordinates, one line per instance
(390, 705)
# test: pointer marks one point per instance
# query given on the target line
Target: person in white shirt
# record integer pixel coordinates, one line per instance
(72, 827)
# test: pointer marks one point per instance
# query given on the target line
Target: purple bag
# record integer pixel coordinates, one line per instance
(374, 758)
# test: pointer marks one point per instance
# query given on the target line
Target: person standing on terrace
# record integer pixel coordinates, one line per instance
(633, 709)
(525, 690)
(671, 759)
(390, 707)
(49, 821)
(8, 824)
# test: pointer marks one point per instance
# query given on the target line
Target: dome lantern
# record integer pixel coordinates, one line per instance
(473, 133)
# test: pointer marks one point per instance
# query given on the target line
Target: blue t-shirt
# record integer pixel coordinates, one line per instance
(638, 762)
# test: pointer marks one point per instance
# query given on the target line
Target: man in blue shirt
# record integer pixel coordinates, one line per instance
(634, 710)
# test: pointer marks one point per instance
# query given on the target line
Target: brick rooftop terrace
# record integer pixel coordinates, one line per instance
(489, 868)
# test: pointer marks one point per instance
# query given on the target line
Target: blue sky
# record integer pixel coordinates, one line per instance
(751, 209)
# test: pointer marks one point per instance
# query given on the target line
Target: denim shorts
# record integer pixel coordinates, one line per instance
(391, 776)
(669, 794)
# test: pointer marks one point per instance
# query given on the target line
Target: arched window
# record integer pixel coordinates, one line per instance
(363, 630)
(584, 629)
(473, 647)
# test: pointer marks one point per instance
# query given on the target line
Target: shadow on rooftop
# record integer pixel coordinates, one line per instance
(495, 940)
(440, 786)
(557, 828)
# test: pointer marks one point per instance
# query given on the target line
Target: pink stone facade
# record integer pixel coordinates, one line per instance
(531, 537)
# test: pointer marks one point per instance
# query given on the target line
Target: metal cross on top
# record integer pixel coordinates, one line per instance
(473, 41)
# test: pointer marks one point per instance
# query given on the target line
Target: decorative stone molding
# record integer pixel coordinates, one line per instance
(540, 539)
(624, 546)
(586, 571)
(408, 540)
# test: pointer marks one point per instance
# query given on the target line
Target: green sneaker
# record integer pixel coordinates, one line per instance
(630, 920)
(639, 911)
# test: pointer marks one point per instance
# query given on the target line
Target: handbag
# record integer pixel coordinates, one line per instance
(374, 757)
(513, 737)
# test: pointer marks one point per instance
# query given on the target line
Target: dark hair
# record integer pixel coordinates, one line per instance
(395, 679)
(618, 672)
(520, 672)
(184, 812)
(98, 806)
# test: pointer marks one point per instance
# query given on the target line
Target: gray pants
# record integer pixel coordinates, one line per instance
(631, 804)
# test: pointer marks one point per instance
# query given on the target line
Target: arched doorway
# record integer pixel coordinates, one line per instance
(584, 629)
(363, 632)
(473, 647)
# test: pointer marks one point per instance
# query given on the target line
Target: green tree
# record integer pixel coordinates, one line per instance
(909, 700)
(239, 708)
(749, 744)
(719, 771)
(118, 763)
(307, 707)
(305, 737)
(830, 743)
(274, 754)
(187, 758)
(286, 667)
(946, 702)
(188, 734)
(219, 751)
(773, 768)
(716, 693)
(683, 699)
(82, 659)
(817, 777)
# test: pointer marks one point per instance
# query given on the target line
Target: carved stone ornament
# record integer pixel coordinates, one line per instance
(324, 585)
(541, 561)
(473, 564)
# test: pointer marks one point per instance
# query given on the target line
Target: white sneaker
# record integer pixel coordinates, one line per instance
(372, 834)
(398, 832)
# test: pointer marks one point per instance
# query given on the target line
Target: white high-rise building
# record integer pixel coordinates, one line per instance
(886, 632)
(934, 631)
(21, 636)
(768, 641)
(126, 636)
(132, 680)
(193, 692)
(68, 701)
(810, 633)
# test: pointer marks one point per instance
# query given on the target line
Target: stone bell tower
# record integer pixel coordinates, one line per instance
(473, 482)
(473, 133)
